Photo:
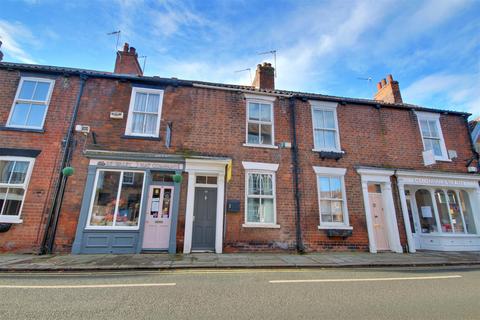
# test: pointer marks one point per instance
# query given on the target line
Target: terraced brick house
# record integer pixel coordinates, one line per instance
(163, 164)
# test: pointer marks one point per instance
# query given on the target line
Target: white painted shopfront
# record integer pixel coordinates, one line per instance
(441, 211)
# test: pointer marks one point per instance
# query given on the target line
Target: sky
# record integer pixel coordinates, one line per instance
(333, 47)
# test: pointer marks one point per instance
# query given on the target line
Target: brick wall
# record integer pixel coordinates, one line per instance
(26, 237)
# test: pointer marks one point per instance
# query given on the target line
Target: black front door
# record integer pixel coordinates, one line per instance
(204, 219)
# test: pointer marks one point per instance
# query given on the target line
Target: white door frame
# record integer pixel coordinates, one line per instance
(210, 167)
(382, 177)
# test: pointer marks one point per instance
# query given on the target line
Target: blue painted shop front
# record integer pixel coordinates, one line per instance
(129, 206)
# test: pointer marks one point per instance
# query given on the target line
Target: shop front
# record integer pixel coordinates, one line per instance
(441, 211)
(130, 206)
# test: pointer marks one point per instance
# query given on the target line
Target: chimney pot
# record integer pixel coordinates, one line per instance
(127, 62)
(388, 92)
(1, 53)
(132, 50)
(125, 47)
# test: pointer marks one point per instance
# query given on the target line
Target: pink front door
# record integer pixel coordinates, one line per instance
(157, 220)
(378, 218)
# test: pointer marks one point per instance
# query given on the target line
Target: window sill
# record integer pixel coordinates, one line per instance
(328, 150)
(443, 160)
(260, 146)
(141, 137)
(340, 227)
(261, 225)
(7, 128)
(8, 219)
(90, 228)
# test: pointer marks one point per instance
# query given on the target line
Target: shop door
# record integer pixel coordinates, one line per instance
(204, 215)
(378, 218)
(157, 221)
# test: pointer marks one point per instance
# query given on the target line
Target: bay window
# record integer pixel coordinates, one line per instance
(31, 103)
(145, 112)
(14, 177)
(117, 199)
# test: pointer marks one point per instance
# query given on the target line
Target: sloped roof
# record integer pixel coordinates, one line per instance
(175, 81)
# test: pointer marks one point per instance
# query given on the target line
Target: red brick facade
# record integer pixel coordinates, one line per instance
(211, 121)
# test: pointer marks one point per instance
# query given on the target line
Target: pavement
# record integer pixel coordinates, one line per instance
(292, 293)
(105, 262)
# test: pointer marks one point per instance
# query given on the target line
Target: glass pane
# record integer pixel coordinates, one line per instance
(150, 124)
(6, 168)
(212, 180)
(457, 222)
(267, 184)
(433, 128)
(424, 128)
(19, 115)
(41, 91)
(253, 111)
(337, 212)
(19, 172)
(266, 137)
(253, 214)
(105, 199)
(260, 184)
(26, 92)
(129, 202)
(265, 114)
(428, 144)
(436, 147)
(324, 187)
(467, 212)
(443, 211)
(374, 188)
(166, 204)
(201, 179)
(425, 211)
(253, 133)
(336, 188)
(329, 120)
(318, 119)
(137, 123)
(330, 139)
(3, 195)
(267, 214)
(13, 202)
(35, 117)
(153, 102)
(319, 139)
(162, 176)
(326, 210)
(140, 102)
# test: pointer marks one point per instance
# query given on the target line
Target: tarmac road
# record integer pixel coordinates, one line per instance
(387, 293)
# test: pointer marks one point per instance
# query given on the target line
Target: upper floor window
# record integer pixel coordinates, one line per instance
(260, 128)
(14, 176)
(325, 126)
(332, 197)
(260, 199)
(432, 134)
(31, 103)
(144, 112)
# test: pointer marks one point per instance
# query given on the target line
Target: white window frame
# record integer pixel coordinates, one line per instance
(135, 90)
(261, 168)
(428, 116)
(24, 185)
(92, 200)
(251, 98)
(329, 172)
(51, 83)
(325, 106)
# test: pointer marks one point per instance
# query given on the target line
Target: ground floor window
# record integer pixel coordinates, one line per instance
(260, 198)
(14, 177)
(117, 199)
(444, 211)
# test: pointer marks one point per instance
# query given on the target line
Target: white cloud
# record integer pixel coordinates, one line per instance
(15, 36)
(454, 90)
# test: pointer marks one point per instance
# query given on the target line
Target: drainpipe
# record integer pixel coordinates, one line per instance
(299, 243)
(54, 213)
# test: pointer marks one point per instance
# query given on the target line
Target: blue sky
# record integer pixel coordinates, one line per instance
(431, 47)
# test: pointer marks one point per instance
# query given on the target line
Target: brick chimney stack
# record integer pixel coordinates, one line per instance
(127, 61)
(388, 90)
(264, 77)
